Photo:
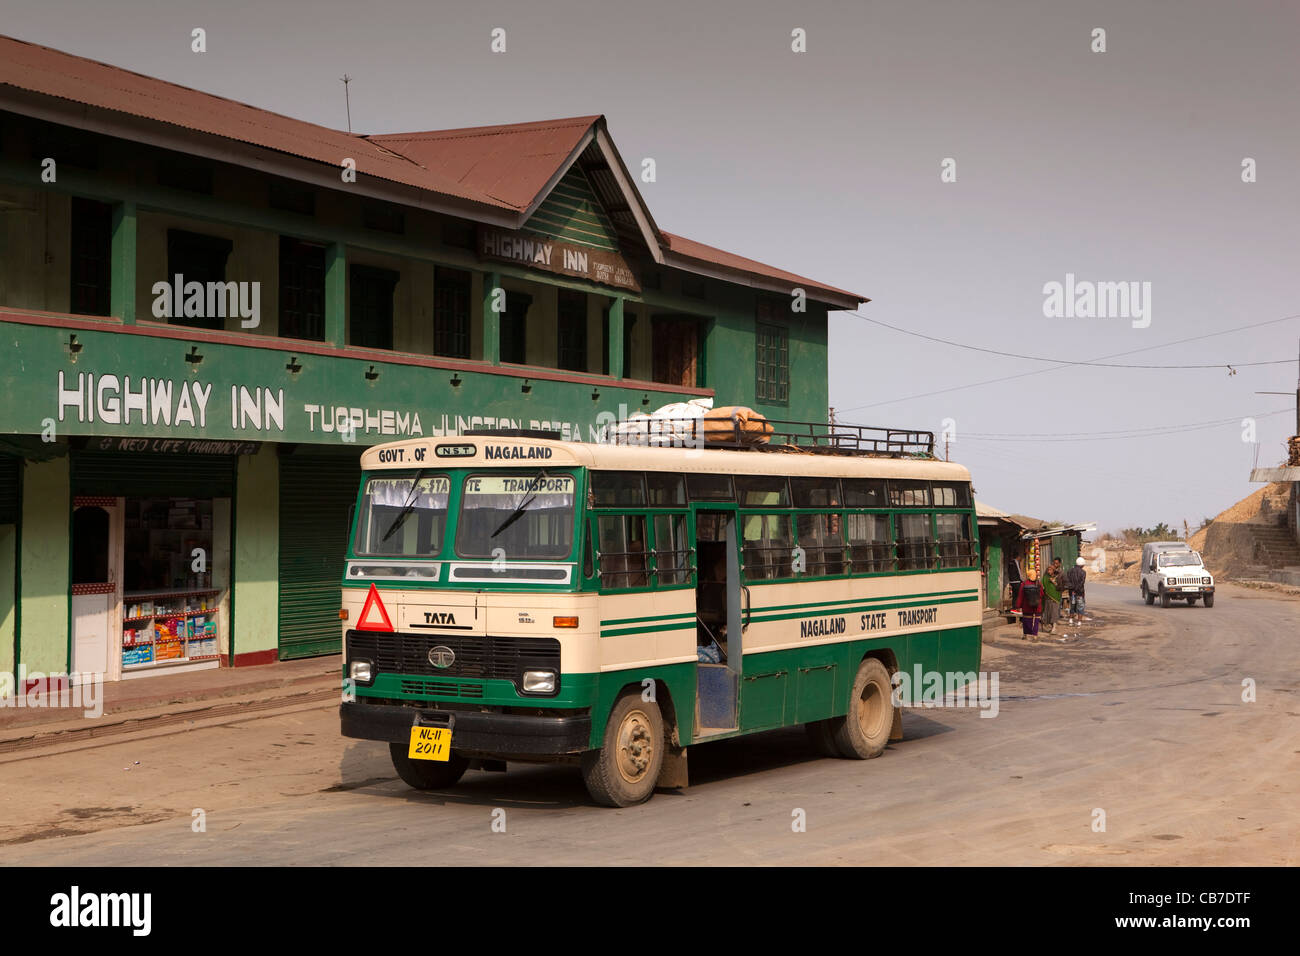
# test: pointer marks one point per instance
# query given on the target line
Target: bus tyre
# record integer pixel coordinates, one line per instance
(622, 773)
(427, 774)
(864, 731)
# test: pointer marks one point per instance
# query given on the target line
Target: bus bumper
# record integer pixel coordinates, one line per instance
(495, 734)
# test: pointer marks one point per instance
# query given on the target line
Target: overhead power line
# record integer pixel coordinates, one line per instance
(1040, 371)
(1117, 434)
(1094, 363)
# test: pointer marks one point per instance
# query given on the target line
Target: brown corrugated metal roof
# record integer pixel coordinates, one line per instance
(506, 167)
(698, 250)
(40, 69)
(511, 164)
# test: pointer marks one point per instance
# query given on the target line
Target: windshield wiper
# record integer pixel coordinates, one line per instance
(406, 508)
(523, 506)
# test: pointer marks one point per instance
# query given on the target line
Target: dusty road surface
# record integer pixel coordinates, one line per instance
(1138, 715)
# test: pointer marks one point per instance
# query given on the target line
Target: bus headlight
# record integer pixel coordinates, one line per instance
(361, 671)
(539, 682)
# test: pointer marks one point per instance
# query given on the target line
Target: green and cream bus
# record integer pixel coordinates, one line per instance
(515, 598)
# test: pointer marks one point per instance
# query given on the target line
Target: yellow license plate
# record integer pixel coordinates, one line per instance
(430, 743)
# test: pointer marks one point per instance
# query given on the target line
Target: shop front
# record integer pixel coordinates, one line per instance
(150, 541)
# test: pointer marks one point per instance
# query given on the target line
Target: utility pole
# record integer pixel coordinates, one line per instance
(347, 102)
(1297, 396)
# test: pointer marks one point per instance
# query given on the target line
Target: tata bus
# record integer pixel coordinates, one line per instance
(515, 598)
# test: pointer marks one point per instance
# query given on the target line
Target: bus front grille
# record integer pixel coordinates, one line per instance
(432, 688)
(487, 658)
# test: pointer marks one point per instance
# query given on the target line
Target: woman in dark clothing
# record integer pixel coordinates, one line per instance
(1030, 604)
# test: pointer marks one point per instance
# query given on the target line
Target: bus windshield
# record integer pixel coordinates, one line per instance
(518, 517)
(403, 516)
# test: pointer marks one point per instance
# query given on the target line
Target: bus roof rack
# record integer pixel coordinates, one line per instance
(771, 435)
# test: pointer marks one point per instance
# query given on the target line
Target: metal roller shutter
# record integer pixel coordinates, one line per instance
(316, 496)
(147, 475)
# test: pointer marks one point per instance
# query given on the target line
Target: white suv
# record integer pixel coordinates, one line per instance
(1173, 572)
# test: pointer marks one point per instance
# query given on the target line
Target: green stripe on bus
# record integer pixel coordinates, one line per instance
(614, 622)
(649, 629)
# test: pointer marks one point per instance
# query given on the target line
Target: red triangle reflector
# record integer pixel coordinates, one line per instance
(373, 603)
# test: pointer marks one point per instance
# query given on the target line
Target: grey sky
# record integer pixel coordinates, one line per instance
(1123, 165)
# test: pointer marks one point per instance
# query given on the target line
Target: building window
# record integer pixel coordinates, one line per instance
(451, 296)
(92, 243)
(302, 290)
(572, 325)
(383, 218)
(773, 375)
(371, 307)
(290, 197)
(197, 258)
(458, 233)
(514, 327)
(185, 172)
(675, 351)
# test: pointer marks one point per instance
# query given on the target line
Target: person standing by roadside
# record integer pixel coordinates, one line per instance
(1030, 604)
(1052, 595)
(1075, 579)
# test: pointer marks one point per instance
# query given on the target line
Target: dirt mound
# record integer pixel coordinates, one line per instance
(1227, 545)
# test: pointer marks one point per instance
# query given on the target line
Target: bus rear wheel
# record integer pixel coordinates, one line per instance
(864, 731)
(427, 774)
(622, 773)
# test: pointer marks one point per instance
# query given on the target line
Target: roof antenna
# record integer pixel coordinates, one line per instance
(346, 100)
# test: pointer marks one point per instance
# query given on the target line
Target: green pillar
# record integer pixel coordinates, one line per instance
(491, 319)
(614, 340)
(121, 281)
(336, 293)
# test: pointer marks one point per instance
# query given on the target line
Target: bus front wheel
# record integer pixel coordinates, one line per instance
(427, 774)
(864, 731)
(622, 773)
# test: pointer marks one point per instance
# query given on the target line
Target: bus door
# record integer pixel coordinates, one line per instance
(718, 619)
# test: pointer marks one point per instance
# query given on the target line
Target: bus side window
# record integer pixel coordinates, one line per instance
(768, 546)
(869, 544)
(819, 536)
(622, 546)
(956, 549)
(672, 553)
(915, 541)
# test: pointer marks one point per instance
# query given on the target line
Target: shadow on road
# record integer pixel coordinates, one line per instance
(559, 786)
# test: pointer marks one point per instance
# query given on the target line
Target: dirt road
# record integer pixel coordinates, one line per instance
(1138, 716)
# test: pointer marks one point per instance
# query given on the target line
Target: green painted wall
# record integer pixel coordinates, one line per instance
(339, 384)
(257, 553)
(8, 607)
(46, 575)
(995, 571)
